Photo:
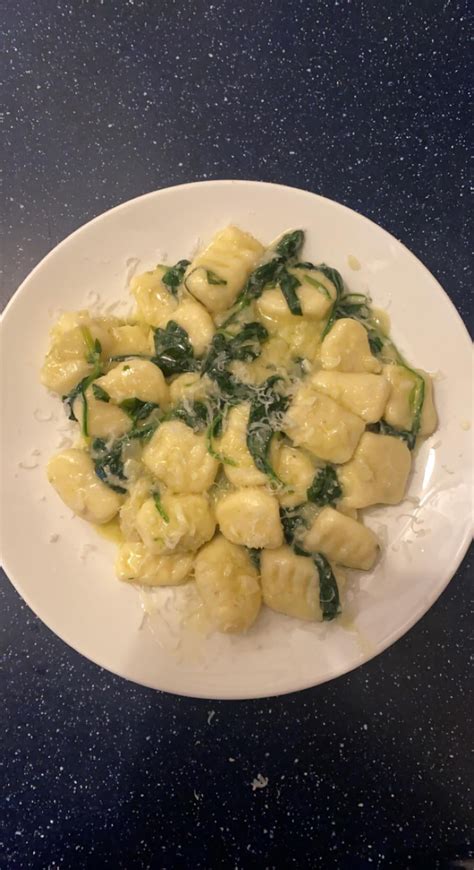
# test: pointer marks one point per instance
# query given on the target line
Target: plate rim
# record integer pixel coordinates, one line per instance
(464, 543)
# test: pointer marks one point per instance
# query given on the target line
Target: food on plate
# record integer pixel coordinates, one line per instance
(235, 426)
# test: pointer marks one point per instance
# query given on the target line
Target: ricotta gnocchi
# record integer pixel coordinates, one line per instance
(235, 426)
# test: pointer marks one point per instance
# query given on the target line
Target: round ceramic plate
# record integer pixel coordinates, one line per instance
(64, 571)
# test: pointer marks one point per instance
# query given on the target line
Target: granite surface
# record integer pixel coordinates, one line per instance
(366, 103)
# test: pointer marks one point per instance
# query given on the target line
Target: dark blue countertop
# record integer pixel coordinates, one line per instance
(366, 103)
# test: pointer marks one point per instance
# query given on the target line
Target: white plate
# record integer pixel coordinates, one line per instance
(69, 580)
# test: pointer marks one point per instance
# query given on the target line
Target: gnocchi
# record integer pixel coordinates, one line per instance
(250, 517)
(219, 272)
(228, 584)
(234, 425)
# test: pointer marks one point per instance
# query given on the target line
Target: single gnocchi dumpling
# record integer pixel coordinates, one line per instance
(100, 419)
(196, 321)
(240, 468)
(296, 471)
(181, 523)
(130, 338)
(290, 583)
(138, 492)
(363, 394)
(322, 426)
(398, 410)
(135, 379)
(346, 348)
(250, 517)
(73, 476)
(377, 473)
(155, 303)
(135, 564)
(219, 272)
(228, 585)
(178, 457)
(67, 361)
(342, 540)
(316, 295)
(190, 387)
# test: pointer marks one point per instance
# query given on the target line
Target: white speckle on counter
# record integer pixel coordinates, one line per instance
(259, 782)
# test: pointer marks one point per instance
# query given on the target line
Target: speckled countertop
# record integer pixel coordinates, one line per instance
(366, 103)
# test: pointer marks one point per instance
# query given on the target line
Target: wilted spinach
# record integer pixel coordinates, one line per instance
(159, 507)
(173, 276)
(293, 528)
(137, 409)
(100, 394)
(286, 250)
(263, 422)
(93, 358)
(325, 488)
(174, 352)
(194, 414)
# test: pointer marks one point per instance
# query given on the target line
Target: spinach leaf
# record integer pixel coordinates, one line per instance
(293, 527)
(254, 554)
(93, 358)
(108, 462)
(173, 350)
(212, 278)
(160, 508)
(265, 418)
(225, 348)
(195, 415)
(325, 488)
(293, 524)
(290, 245)
(375, 343)
(328, 590)
(288, 284)
(213, 431)
(268, 273)
(137, 409)
(108, 457)
(100, 394)
(318, 285)
(173, 277)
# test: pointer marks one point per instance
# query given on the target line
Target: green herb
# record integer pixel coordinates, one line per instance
(137, 409)
(100, 394)
(108, 456)
(213, 431)
(194, 414)
(328, 590)
(224, 349)
(254, 554)
(293, 524)
(286, 250)
(293, 527)
(173, 350)
(94, 350)
(288, 284)
(108, 463)
(212, 278)
(317, 285)
(265, 418)
(325, 488)
(375, 343)
(173, 277)
(290, 245)
(160, 508)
